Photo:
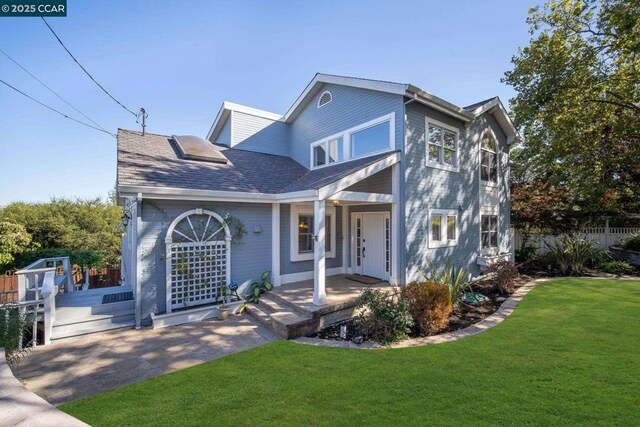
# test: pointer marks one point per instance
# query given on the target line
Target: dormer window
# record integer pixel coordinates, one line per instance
(324, 99)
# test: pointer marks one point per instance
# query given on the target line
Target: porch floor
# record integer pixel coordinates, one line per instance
(88, 298)
(338, 288)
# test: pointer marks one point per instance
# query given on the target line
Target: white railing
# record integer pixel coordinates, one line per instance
(604, 237)
(39, 283)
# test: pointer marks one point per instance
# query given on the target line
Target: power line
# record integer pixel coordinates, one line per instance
(51, 90)
(56, 111)
(84, 69)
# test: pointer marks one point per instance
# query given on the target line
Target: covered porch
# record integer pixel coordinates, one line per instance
(346, 227)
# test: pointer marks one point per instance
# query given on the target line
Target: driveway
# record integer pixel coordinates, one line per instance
(79, 367)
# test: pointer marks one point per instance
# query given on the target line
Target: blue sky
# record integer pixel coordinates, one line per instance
(181, 60)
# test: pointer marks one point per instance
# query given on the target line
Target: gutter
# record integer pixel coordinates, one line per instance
(438, 104)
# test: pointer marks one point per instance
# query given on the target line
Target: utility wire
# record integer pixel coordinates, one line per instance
(51, 90)
(56, 111)
(84, 69)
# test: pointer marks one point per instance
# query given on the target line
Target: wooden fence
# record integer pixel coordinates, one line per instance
(603, 236)
(8, 289)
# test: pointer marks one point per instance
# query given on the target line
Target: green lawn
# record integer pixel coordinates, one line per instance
(570, 354)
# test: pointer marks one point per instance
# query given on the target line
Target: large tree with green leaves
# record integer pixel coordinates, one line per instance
(81, 227)
(578, 106)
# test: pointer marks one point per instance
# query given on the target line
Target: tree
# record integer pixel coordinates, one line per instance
(70, 225)
(578, 106)
(14, 240)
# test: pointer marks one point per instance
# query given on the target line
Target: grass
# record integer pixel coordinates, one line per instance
(569, 354)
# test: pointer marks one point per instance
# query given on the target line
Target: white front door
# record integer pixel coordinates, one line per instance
(372, 240)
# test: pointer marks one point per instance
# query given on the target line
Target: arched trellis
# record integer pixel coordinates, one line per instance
(198, 259)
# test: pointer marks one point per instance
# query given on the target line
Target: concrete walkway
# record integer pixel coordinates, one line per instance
(20, 407)
(79, 367)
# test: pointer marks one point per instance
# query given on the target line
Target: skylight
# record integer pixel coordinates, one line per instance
(196, 148)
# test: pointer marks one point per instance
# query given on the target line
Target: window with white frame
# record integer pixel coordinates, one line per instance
(489, 231)
(489, 158)
(373, 137)
(303, 236)
(443, 228)
(327, 152)
(324, 99)
(442, 145)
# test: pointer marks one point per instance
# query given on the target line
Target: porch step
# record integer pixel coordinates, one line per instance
(67, 328)
(280, 318)
(281, 301)
(79, 312)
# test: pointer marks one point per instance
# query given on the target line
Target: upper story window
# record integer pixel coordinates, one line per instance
(375, 136)
(443, 228)
(489, 158)
(324, 99)
(442, 145)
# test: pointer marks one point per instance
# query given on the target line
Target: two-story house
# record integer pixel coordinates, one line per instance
(358, 177)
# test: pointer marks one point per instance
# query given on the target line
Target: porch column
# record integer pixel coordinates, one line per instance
(395, 224)
(319, 212)
(275, 244)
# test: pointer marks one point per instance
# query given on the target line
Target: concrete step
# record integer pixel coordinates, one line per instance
(284, 322)
(93, 324)
(273, 296)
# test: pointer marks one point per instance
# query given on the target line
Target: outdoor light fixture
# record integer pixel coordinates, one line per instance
(336, 202)
(257, 229)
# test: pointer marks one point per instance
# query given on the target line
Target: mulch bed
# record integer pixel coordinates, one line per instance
(463, 316)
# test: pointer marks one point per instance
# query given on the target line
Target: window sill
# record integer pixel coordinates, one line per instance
(309, 256)
(447, 244)
(440, 166)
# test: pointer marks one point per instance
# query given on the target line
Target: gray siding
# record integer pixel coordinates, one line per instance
(349, 107)
(259, 134)
(225, 134)
(428, 188)
(249, 258)
(378, 183)
(286, 265)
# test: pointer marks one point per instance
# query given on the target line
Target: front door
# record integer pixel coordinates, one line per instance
(372, 244)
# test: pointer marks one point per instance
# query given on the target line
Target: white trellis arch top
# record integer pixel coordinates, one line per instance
(198, 257)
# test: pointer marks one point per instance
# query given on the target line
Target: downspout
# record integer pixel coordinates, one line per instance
(138, 271)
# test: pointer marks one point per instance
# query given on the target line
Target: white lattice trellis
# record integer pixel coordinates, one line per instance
(198, 254)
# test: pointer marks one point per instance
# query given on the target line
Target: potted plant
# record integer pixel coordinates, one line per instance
(223, 310)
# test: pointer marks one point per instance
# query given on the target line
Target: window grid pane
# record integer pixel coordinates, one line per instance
(436, 228)
(451, 227)
(319, 155)
(370, 140)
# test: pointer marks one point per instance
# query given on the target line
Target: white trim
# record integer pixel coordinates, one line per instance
(440, 163)
(438, 103)
(349, 180)
(346, 141)
(138, 263)
(345, 236)
(231, 129)
(308, 275)
(496, 108)
(444, 238)
(275, 243)
(320, 97)
(319, 253)
(359, 269)
(308, 209)
(489, 211)
(395, 226)
(354, 196)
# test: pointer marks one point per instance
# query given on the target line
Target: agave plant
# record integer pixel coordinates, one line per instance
(455, 279)
(572, 254)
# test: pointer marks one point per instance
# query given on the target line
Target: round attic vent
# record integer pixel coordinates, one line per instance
(196, 148)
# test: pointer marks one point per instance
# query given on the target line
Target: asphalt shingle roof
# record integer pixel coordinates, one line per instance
(154, 161)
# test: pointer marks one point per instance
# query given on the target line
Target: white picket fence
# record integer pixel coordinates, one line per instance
(603, 236)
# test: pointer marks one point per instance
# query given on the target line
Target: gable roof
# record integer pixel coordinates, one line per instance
(494, 107)
(466, 114)
(153, 161)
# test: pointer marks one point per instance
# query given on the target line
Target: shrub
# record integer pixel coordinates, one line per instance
(15, 325)
(616, 267)
(571, 254)
(631, 243)
(526, 254)
(455, 279)
(504, 275)
(383, 317)
(429, 303)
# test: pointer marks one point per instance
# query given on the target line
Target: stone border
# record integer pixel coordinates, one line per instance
(489, 322)
(20, 407)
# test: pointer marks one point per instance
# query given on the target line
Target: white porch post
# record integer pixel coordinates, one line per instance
(395, 224)
(319, 212)
(275, 244)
